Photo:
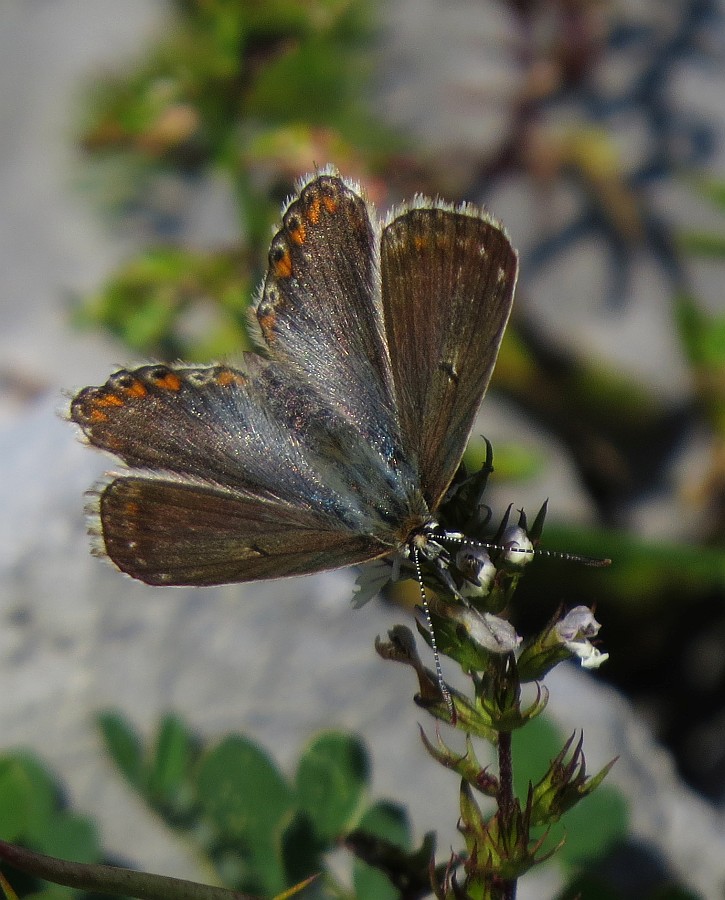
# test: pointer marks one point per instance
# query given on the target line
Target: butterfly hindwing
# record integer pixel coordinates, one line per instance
(167, 532)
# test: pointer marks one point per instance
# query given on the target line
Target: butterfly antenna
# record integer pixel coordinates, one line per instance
(429, 621)
(594, 561)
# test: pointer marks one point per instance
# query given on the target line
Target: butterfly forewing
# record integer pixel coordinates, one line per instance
(447, 287)
(213, 422)
(319, 309)
(255, 443)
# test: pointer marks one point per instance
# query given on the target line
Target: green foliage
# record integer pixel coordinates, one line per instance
(222, 65)
(332, 775)
(594, 827)
(160, 773)
(168, 782)
(389, 823)
(151, 303)
(228, 88)
(33, 815)
(28, 797)
(124, 746)
(246, 800)
(262, 832)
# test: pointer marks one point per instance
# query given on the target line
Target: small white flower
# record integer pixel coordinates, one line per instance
(519, 549)
(574, 631)
(593, 659)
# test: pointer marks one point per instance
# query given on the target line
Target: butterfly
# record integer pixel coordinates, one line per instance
(336, 443)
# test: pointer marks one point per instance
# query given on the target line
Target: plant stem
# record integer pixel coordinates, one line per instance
(506, 798)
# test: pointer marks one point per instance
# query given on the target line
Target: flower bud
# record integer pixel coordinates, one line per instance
(519, 549)
(475, 565)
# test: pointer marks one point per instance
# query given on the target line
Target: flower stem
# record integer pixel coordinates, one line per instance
(506, 798)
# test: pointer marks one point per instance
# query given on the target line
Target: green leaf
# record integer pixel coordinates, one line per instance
(371, 884)
(28, 797)
(13, 802)
(388, 821)
(301, 849)
(69, 836)
(174, 756)
(248, 801)
(241, 789)
(124, 746)
(331, 777)
(533, 748)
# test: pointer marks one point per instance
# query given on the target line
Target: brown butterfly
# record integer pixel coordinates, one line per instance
(338, 444)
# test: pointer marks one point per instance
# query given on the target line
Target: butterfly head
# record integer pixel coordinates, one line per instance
(461, 567)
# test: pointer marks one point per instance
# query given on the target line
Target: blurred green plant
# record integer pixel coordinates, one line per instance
(258, 831)
(34, 815)
(233, 89)
(148, 302)
(703, 334)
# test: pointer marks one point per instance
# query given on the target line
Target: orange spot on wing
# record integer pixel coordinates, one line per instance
(298, 234)
(313, 211)
(420, 243)
(170, 382)
(330, 204)
(97, 415)
(228, 377)
(114, 444)
(131, 509)
(267, 323)
(136, 389)
(109, 400)
(283, 265)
